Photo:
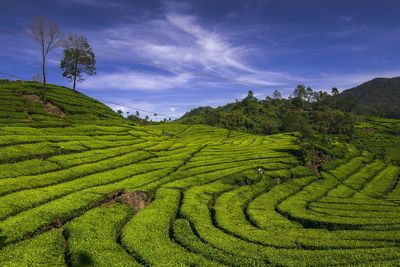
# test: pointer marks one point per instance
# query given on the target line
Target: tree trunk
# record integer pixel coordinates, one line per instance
(75, 73)
(73, 86)
(43, 70)
(43, 77)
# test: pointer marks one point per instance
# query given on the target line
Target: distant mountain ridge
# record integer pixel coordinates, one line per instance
(379, 96)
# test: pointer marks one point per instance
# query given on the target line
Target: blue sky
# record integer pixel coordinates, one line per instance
(170, 56)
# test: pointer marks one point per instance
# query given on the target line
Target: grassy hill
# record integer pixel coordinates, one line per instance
(75, 191)
(380, 96)
(20, 104)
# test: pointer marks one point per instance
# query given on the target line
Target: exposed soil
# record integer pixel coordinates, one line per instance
(136, 199)
(58, 223)
(318, 158)
(48, 107)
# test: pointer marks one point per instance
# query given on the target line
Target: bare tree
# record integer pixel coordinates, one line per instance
(48, 35)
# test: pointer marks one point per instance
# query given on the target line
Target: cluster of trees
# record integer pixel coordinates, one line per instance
(305, 111)
(137, 118)
(133, 117)
(78, 57)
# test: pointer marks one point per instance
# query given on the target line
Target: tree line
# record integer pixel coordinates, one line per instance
(78, 58)
(305, 111)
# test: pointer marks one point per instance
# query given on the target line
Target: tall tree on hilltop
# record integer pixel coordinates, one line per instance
(309, 94)
(300, 91)
(250, 97)
(277, 95)
(299, 94)
(48, 35)
(334, 91)
(78, 59)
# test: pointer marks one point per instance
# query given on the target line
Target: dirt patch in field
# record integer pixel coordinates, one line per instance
(318, 158)
(57, 223)
(48, 107)
(136, 199)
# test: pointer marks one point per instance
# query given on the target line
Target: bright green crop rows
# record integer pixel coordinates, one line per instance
(17, 109)
(210, 207)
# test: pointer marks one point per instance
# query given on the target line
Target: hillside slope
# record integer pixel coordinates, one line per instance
(380, 96)
(90, 190)
(172, 194)
(20, 104)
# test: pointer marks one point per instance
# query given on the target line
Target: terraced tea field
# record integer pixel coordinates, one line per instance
(80, 192)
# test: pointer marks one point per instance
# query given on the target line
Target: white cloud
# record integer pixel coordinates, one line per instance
(180, 45)
(267, 78)
(145, 108)
(196, 56)
(136, 81)
(174, 43)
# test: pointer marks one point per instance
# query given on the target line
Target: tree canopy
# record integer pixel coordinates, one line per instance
(78, 59)
(305, 111)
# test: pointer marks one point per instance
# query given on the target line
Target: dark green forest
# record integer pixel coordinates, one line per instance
(306, 110)
(380, 97)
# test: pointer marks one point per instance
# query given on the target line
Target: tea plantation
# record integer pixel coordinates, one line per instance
(82, 186)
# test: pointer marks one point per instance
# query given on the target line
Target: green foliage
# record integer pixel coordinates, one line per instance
(183, 233)
(76, 107)
(147, 234)
(43, 250)
(213, 196)
(92, 238)
(78, 59)
(306, 112)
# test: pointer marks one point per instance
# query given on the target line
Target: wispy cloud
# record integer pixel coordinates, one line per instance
(136, 81)
(174, 43)
(182, 47)
(145, 108)
(267, 78)
(177, 52)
